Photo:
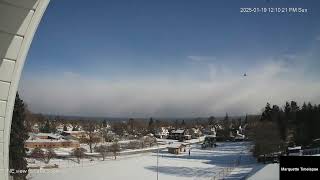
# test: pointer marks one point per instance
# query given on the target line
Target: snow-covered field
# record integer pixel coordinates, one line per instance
(201, 164)
(268, 172)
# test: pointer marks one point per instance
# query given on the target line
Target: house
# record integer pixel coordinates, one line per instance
(179, 134)
(61, 127)
(239, 137)
(35, 128)
(195, 133)
(161, 133)
(176, 148)
(77, 134)
(210, 131)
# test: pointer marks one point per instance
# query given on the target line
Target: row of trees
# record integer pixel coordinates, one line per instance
(45, 156)
(102, 149)
(280, 127)
(79, 153)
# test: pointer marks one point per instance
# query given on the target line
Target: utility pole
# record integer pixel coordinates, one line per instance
(157, 161)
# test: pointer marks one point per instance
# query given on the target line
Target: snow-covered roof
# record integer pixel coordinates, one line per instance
(211, 136)
(54, 136)
(178, 131)
(73, 132)
(49, 140)
(175, 145)
(294, 148)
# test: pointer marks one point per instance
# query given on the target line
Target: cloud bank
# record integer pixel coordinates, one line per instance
(274, 81)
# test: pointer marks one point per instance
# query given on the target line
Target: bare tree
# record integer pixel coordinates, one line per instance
(38, 153)
(90, 138)
(150, 141)
(133, 145)
(49, 154)
(78, 153)
(115, 148)
(103, 150)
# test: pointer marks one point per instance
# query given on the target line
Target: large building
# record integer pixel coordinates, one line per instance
(48, 140)
(52, 143)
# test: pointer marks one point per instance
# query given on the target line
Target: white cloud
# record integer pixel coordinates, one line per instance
(201, 58)
(225, 91)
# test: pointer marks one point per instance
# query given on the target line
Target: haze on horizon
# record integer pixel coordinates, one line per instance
(171, 58)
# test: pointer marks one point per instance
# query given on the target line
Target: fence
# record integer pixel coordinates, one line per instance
(226, 171)
(311, 151)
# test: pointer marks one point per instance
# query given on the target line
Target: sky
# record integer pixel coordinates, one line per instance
(171, 58)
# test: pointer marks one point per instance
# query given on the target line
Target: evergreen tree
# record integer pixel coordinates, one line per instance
(225, 132)
(226, 118)
(46, 128)
(176, 124)
(131, 125)
(151, 125)
(211, 121)
(183, 124)
(246, 119)
(266, 115)
(18, 136)
(104, 123)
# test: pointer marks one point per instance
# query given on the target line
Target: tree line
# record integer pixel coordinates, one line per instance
(289, 125)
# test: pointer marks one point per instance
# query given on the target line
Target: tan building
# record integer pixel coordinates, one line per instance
(51, 143)
(49, 140)
(176, 149)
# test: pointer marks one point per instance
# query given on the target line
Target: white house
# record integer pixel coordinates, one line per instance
(162, 132)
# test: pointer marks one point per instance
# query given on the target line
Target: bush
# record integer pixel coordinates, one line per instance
(103, 150)
(133, 145)
(38, 153)
(78, 153)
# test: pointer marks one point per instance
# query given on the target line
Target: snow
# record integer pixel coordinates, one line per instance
(202, 164)
(269, 172)
(178, 131)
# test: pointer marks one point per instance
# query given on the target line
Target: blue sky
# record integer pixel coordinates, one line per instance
(146, 54)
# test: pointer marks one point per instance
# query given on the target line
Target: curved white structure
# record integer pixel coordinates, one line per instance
(19, 20)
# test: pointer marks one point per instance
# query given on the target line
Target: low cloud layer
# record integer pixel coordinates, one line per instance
(224, 91)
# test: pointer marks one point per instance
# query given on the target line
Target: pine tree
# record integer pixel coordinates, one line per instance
(46, 128)
(183, 124)
(151, 125)
(246, 119)
(211, 121)
(104, 123)
(266, 115)
(18, 136)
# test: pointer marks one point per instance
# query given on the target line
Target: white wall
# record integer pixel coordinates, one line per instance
(19, 20)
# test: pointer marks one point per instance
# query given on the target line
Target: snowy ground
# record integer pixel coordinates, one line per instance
(201, 164)
(269, 172)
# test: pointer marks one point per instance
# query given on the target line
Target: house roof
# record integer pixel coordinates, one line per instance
(46, 134)
(175, 146)
(294, 148)
(50, 140)
(178, 131)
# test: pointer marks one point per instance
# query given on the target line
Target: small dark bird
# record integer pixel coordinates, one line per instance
(244, 74)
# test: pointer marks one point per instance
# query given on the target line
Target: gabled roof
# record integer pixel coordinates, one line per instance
(178, 131)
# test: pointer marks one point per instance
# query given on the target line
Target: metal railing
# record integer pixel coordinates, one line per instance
(227, 170)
